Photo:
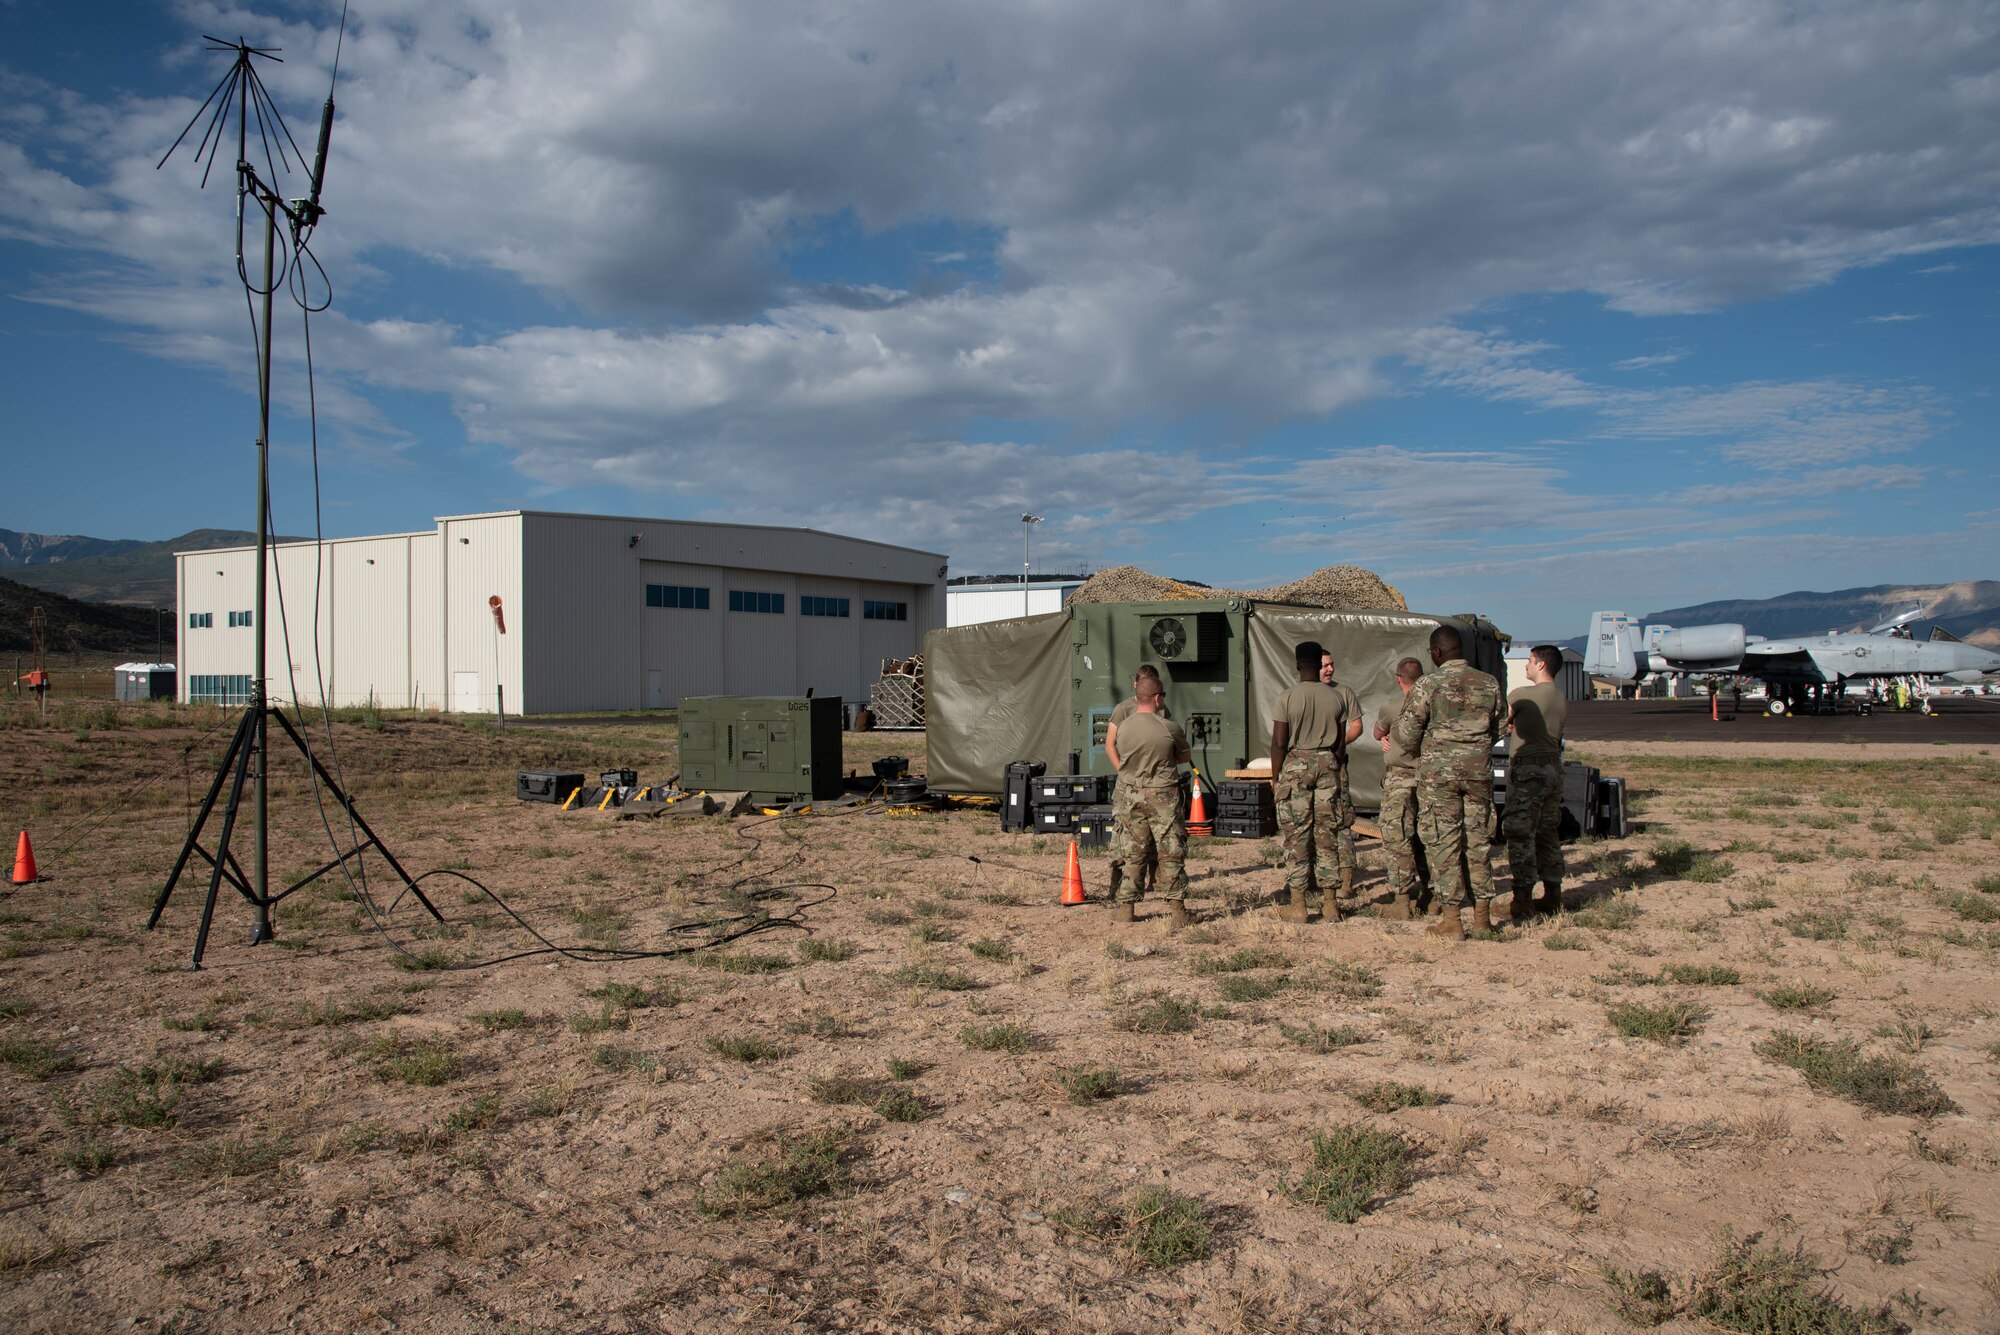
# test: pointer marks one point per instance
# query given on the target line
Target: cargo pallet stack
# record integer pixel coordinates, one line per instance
(897, 701)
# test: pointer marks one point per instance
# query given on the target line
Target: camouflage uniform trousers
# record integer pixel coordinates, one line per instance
(1155, 840)
(1533, 820)
(1402, 850)
(1310, 794)
(1455, 822)
(1343, 841)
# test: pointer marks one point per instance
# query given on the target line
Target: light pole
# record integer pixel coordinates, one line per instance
(1028, 523)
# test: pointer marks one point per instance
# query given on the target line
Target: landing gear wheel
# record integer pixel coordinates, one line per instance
(1776, 709)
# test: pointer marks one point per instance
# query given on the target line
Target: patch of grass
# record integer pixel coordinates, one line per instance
(988, 949)
(36, 1058)
(549, 1100)
(1970, 907)
(477, 1115)
(724, 962)
(796, 1168)
(1909, 1035)
(596, 921)
(1701, 975)
(832, 950)
(1816, 924)
(1164, 1014)
(1642, 1297)
(1891, 1248)
(1796, 997)
(1668, 1022)
(1880, 1084)
(1090, 1084)
(1672, 858)
(1239, 961)
(1386, 1096)
(353, 1010)
(1354, 1166)
(495, 1021)
(1004, 1037)
(887, 917)
(235, 1156)
(87, 1157)
(1616, 914)
(196, 1022)
(422, 960)
(632, 997)
(1988, 885)
(13, 1008)
(626, 1061)
(1315, 1039)
(1241, 987)
(1756, 903)
(901, 1105)
(1155, 1230)
(426, 1063)
(933, 977)
(822, 1025)
(906, 1068)
(930, 933)
(607, 1018)
(742, 1047)
(845, 1089)
(1352, 980)
(1564, 939)
(1767, 1290)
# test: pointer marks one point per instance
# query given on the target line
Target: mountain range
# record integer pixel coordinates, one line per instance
(108, 570)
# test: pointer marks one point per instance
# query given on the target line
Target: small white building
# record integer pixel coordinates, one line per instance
(972, 604)
(556, 613)
(1573, 680)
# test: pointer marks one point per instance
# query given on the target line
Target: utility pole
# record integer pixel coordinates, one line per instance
(1028, 523)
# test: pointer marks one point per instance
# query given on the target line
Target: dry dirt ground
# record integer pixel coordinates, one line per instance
(930, 1099)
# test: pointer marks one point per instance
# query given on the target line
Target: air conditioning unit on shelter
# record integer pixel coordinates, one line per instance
(1197, 638)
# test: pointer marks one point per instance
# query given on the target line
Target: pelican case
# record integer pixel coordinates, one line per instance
(1017, 804)
(546, 785)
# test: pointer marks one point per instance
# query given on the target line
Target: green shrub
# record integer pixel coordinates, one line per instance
(1155, 1230)
(1795, 997)
(1354, 1165)
(1164, 1014)
(997, 1037)
(1668, 1022)
(742, 1047)
(832, 951)
(795, 1169)
(1388, 1095)
(1880, 1084)
(1766, 1290)
(1089, 1084)
(1315, 1039)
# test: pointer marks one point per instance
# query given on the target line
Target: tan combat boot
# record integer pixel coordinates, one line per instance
(1347, 882)
(1295, 910)
(1180, 916)
(1447, 924)
(1482, 915)
(1124, 912)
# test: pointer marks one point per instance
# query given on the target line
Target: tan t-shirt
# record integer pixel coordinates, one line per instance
(1394, 757)
(1150, 750)
(1537, 712)
(1130, 706)
(1316, 715)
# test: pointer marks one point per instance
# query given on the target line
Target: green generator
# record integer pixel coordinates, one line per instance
(1201, 650)
(777, 748)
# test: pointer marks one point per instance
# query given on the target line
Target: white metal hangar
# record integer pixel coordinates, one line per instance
(551, 613)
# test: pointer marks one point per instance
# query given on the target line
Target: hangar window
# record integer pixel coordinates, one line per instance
(747, 600)
(239, 618)
(810, 606)
(218, 689)
(677, 595)
(876, 610)
(201, 620)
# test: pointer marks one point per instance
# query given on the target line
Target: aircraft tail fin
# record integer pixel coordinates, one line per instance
(1940, 633)
(1610, 650)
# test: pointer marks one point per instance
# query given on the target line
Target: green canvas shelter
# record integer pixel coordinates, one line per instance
(1043, 688)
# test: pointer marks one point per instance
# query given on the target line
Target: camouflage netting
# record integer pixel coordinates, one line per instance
(1335, 586)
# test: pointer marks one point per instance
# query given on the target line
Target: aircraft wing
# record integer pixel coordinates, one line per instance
(1784, 658)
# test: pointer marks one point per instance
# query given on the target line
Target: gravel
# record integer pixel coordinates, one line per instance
(1335, 586)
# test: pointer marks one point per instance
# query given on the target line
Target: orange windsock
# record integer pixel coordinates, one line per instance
(24, 861)
(1072, 879)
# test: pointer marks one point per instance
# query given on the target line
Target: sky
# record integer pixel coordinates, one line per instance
(1532, 308)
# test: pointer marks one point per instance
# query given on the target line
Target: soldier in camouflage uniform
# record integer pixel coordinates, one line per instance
(1308, 764)
(1146, 805)
(1449, 722)
(1121, 848)
(1532, 821)
(1343, 839)
(1402, 849)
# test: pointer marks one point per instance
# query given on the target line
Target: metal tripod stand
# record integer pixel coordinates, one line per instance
(248, 748)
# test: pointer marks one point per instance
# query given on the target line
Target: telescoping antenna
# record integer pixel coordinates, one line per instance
(247, 759)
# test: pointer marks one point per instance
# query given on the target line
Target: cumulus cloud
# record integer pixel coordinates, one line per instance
(1252, 214)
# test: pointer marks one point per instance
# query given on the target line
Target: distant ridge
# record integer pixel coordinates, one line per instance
(108, 570)
(80, 627)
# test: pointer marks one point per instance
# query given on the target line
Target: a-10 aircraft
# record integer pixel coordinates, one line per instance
(1793, 666)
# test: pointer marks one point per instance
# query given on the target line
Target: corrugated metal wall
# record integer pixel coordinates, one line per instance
(482, 560)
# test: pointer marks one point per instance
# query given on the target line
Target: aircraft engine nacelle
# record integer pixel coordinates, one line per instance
(1702, 644)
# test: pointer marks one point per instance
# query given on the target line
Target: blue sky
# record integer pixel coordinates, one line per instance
(1532, 311)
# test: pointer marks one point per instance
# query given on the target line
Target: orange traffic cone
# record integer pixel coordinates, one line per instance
(1714, 707)
(1198, 822)
(1072, 879)
(24, 861)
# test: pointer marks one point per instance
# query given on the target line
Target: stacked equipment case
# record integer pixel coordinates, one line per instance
(1245, 809)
